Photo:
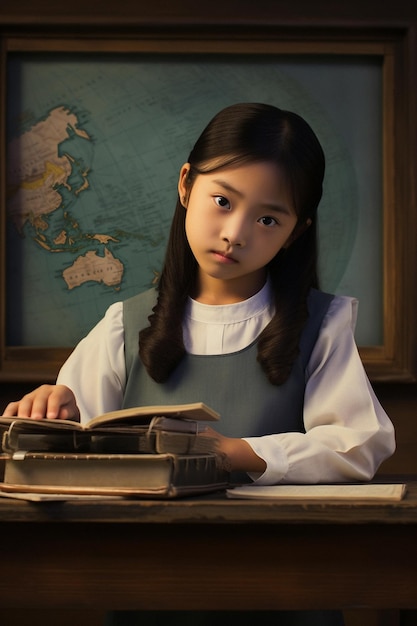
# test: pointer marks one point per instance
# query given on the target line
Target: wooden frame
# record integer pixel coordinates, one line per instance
(393, 360)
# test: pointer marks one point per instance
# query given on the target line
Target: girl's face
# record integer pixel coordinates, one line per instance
(238, 218)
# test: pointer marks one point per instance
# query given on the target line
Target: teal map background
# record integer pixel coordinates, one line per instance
(94, 147)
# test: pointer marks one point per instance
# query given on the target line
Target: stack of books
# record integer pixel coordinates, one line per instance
(153, 451)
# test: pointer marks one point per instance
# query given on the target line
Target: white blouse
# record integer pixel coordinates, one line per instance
(348, 434)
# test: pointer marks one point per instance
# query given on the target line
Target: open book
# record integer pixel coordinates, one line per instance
(151, 451)
(149, 429)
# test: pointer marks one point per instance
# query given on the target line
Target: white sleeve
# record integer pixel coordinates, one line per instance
(348, 434)
(95, 371)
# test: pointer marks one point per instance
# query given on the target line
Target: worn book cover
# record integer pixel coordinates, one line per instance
(140, 475)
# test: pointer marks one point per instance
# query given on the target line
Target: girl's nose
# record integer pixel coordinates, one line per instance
(237, 243)
(234, 233)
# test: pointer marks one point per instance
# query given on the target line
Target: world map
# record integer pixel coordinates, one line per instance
(93, 153)
(37, 172)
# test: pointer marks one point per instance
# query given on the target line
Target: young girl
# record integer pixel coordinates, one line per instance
(237, 320)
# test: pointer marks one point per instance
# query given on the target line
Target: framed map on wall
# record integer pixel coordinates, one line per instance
(94, 139)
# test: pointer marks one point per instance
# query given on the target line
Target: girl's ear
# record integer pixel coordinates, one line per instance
(298, 230)
(183, 188)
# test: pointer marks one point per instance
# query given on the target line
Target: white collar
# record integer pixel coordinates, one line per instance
(230, 313)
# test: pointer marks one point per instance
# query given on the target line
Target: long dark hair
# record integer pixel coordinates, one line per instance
(246, 133)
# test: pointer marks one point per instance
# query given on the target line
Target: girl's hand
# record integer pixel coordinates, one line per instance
(51, 401)
(237, 453)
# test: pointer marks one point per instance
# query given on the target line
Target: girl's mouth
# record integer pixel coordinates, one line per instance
(221, 257)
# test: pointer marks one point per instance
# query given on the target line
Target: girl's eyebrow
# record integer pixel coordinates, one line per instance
(277, 208)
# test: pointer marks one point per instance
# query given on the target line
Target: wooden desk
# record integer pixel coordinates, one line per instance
(251, 555)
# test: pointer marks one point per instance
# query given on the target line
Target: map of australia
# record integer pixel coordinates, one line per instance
(37, 172)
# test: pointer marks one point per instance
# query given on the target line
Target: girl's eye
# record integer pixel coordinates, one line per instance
(267, 221)
(222, 202)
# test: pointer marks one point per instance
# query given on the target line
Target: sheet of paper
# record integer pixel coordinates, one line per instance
(53, 497)
(321, 492)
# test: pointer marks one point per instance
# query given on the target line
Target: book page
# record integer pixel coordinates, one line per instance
(194, 411)
(39, 423)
